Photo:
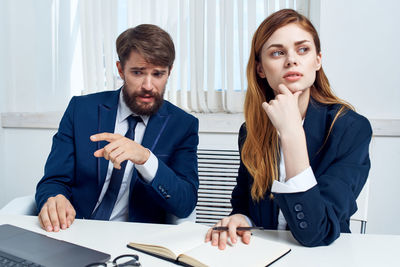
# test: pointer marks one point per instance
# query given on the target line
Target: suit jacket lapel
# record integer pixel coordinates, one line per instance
(106, 123)
(155, 127)
(315, 128)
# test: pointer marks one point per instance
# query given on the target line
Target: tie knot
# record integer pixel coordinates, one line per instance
(132, 121)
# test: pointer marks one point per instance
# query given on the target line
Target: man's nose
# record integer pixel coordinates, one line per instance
(147, 83)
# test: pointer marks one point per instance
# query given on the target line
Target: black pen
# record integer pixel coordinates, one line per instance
(225, 228)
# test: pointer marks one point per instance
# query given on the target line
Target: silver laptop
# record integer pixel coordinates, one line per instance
(18, 244)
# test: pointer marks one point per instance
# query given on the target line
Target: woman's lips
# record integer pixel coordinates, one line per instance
(292, 76)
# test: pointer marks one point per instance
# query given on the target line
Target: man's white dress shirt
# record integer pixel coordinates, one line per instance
(148, 170)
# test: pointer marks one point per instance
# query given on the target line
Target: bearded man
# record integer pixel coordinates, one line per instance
(124, 155)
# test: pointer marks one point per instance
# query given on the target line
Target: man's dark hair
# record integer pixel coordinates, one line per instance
(150, 41)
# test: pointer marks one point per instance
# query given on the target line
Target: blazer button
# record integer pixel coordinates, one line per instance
(298, 207)
(167, 196)
(300, 215)
(303, 225)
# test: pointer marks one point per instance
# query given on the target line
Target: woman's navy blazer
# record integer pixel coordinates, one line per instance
(341, 165)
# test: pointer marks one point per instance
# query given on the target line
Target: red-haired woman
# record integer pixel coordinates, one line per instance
(304, 151)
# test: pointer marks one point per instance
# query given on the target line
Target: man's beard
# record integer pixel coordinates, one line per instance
(141, 108)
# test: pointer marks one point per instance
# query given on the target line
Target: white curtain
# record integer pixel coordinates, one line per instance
(99, 31)
(212, 40)
(37, 52)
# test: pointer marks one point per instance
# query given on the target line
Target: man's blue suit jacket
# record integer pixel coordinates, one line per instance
(341, 165)
(72, 170)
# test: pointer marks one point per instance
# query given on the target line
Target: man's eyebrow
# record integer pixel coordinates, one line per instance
(137, 68)
(296, 43)
(144, 68)
(161, 71)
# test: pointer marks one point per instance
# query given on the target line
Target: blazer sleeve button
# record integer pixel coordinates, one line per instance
(298, 207)
(300, 215)
(303, 225)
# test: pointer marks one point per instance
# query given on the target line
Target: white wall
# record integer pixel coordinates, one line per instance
(3, 178)
(359, 40)
(360, 43)
(25, 152)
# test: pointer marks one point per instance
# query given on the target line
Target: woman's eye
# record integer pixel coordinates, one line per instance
(277, 53)
(302, 50)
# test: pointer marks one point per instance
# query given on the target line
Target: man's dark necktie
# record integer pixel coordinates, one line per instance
(103, 211)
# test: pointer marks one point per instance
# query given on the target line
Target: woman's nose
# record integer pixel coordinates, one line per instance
(291, 60)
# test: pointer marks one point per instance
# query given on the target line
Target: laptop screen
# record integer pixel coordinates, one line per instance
(44, 250)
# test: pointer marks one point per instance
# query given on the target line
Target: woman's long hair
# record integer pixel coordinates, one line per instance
(260, 151)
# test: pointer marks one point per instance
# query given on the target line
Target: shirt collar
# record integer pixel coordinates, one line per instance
(124, 111)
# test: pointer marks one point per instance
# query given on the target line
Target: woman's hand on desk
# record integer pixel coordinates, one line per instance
(220, 238)
(57, 213)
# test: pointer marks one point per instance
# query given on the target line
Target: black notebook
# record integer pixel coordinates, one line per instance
(45, 251)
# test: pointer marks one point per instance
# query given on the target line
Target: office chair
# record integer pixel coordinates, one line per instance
(25, 205)
(362, 213)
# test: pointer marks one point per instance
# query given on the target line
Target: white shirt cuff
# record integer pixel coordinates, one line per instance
(299, 183)
(149, 169)
(248, 220)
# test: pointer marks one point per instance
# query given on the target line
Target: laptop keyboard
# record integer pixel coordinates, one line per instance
(7, 260)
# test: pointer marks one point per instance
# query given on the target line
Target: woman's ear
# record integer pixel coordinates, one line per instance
(260, 70)
(319, 61)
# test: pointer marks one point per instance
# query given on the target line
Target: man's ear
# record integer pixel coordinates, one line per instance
(260, 70)
(120, 70)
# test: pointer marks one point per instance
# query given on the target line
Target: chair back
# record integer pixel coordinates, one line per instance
(25, 205)
(362, 213)
(217, 175)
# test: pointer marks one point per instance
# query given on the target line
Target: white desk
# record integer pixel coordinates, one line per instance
(112, 237)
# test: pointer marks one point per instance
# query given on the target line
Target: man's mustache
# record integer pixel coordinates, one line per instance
(144, 94)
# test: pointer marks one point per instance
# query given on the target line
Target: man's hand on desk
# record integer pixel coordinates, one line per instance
(57, 213)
